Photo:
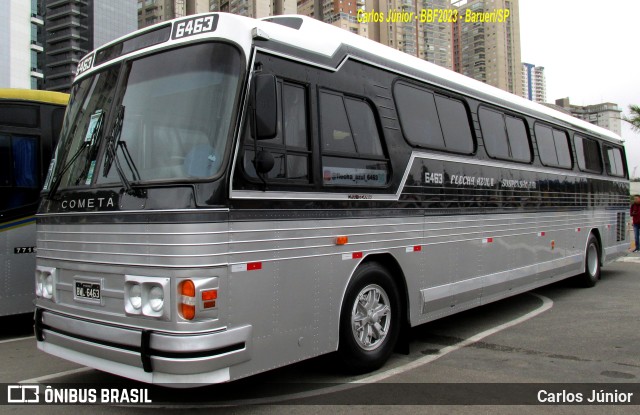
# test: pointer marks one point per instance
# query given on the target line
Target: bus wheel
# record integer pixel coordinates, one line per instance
(592, 264)
(369, 320)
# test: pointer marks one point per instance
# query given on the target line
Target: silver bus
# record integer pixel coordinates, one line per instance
(29, 125)
(232, 195)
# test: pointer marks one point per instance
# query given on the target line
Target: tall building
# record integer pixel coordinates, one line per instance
(534, 85)
(254, 8)
(431, 41)
(487, 48)
(74, 27)
(605, 115)
(21, 49)
(341, 13)
(154, 11)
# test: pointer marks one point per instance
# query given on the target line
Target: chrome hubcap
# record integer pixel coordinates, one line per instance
(371, 317)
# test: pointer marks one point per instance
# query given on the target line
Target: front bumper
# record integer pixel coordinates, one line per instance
(172, 359)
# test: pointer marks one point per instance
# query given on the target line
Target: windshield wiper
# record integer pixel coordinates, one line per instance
(55, 181)
(111, 157)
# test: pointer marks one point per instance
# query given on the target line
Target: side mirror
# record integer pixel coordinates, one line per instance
(265, 104)
(264, 162)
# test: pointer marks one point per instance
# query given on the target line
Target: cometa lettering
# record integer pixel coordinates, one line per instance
(89, 203)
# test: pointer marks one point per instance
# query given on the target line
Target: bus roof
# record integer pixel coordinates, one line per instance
(48, 97)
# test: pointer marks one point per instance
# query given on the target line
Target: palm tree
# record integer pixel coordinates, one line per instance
(634, 117)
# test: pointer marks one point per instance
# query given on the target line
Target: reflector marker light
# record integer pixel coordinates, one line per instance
(487, 240)
(577, 229)
(250, 266)
(209, 304)
(608, 226)
(541, 233)
(209, 295)
(353, 255)
(415, 248)
(342, 240)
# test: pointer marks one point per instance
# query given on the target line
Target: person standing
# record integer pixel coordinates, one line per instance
(635, 216)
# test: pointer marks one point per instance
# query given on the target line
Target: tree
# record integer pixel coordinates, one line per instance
(634, 117)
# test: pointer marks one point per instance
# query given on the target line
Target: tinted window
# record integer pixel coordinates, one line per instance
(19, 161)
(290, 147)
(518, 139)
(613, 161)
(19, 115)
(494, 133)
(363, 126)
(25, 161)
(504, 136)
(418, 116)
(5, 160)
(352, 149)
(546, 145)
(562, 148)
(455, 124)
(336, 133)
(553, 146)
(295, 117)
(588, 153)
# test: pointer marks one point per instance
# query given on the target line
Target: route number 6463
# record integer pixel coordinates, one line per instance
(194, 26)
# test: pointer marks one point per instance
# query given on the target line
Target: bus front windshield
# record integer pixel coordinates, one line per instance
(165, 116)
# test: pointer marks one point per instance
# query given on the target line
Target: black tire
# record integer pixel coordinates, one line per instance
(592, 265)
(353, 351)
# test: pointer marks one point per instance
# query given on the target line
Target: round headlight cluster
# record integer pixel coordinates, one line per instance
(44, 285)
(135, 296)
(144, 298)
(156, 298)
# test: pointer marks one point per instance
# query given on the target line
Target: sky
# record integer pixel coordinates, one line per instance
(590, 54)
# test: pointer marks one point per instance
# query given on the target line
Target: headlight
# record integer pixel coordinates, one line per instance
(47, 287)
(39, 283)
(135, 296)
(146, 296)
(156, 298)
(46, 282)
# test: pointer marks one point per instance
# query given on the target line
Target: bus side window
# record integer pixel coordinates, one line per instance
(5, 161)
(505, 137)
(18, 170)
(553, 146)
(588, 153)
(613, 161)
(352, 152)
(432, 120)
(290, 147)
(20, 115)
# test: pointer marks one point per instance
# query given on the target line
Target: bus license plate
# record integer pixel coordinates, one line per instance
(88, 291)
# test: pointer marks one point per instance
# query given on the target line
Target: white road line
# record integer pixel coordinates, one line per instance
(547, 303)
(57, 375)
(16, 339)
